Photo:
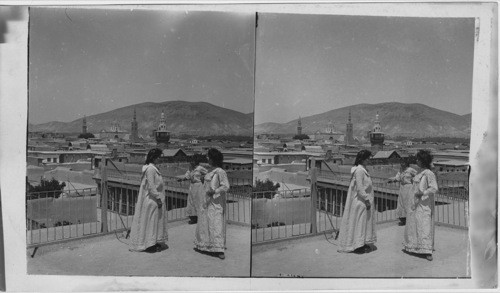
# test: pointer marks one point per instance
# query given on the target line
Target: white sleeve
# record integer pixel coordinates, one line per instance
(152, 186)
(428, 186)
(219, 183)
(360, 174)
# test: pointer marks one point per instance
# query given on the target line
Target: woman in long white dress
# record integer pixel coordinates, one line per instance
(196, 192)
(419, 230)
(210, 230)
(357, 229)
(405, 179)
(149, 226)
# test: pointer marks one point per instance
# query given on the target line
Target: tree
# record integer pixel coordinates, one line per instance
(47, 188)
(265, 189)
(301, 136)
(86, 135)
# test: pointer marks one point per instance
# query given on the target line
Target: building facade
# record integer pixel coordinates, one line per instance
(329, 134)
(114, 133)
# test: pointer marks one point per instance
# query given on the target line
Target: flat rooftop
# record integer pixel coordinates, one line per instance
(109, 256)
(317, 257)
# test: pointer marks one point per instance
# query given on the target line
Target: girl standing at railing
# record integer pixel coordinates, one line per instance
(149, 226)
(210, 230)
(419, 230)
(405, 179)
(357, 230)
(196, 191)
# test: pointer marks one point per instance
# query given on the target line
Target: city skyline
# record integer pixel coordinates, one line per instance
(323, 111)
(416, 120)
(89, 61)
(308, 62)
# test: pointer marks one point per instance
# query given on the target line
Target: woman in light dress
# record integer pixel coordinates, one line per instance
(405, 179)
(196, 192)
(149, 226)
(210, 230)
(357, 230)
(419, 230)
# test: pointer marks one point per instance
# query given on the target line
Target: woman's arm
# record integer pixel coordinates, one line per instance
(152, 185)
(360, 178)
(219, 183)
(202, 170)
(428, 186)
(395, 178)
(187, 176)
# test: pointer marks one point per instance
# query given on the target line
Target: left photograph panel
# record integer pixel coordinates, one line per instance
(140, 142)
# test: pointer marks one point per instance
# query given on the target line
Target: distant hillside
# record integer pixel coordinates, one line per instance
(468, 117)
(396, 119)
(196, 118)
(273, 127)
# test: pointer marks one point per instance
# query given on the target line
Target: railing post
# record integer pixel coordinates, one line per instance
(314, 195)
(104, 196)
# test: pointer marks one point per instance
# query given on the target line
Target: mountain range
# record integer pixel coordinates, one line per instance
(396, 119)
(201, 118)
(195, 118)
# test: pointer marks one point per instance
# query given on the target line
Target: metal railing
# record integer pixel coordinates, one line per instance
(280, 214)
(451, 207)
(55, 216)
(452, 203)
(451, 200)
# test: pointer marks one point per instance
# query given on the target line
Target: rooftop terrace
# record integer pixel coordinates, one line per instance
(109, 256)
(318, 257)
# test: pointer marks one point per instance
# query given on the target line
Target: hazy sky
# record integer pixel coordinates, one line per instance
(89, 61)
(309, 64)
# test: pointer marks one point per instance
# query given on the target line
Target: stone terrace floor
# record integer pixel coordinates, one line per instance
(316, 257)
(107, 256)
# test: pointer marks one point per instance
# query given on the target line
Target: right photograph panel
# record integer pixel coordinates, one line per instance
(361, 147)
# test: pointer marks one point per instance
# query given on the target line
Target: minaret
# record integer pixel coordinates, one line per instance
(162, 136)
(299, 126)
(163, 124)
(376, 135)
(84, 126)
(377, 127)
(135, 129)
(349, 130)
